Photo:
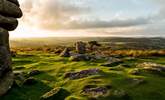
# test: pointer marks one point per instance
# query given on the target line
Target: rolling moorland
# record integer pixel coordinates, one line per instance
(118, 69)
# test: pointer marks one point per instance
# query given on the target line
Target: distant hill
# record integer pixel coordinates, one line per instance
(137, 43)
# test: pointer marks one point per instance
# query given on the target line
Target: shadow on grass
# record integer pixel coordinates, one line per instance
(27, 92)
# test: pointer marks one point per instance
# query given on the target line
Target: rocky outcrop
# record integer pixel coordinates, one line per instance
(9, 11)
(65, 53)
(80, 47)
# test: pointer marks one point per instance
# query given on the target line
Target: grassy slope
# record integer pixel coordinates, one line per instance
(55, 67)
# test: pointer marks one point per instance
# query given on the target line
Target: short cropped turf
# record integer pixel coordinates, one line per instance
(55, 67)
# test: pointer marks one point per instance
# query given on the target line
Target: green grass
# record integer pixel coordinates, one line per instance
(55, 67)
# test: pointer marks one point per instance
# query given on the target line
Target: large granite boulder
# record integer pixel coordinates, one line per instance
(8, 23)
(9, 11)
(8, 8)
(80, 47)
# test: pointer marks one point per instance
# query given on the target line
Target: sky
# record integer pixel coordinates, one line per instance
(128, 18)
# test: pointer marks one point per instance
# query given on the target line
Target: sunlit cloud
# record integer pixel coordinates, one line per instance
(109, 16)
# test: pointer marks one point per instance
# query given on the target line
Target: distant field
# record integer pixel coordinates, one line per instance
(114, 43)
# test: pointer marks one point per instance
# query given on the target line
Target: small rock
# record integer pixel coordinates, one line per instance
(58, 51)
(56, 94)
(65, 53)
(95, 91)
(34, 72)
(135, 71)
(152, 67)
(92, 44)
(82, 74)
(30, 81)
(80, 57)
(120, 94)
(136, 81)
(112, 62)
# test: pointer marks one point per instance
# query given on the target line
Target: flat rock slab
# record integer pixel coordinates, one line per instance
(112, 62)
(56, 94)
(80, 57)
(152, 67)
(95, 92)
(82, 74)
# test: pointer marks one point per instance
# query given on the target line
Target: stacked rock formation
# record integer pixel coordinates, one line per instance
(80, 47)
(9, 12)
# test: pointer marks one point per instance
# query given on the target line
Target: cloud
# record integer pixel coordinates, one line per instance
(66, 14)
(97, 23)
(50, 13)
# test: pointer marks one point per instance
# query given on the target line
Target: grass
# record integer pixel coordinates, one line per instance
(55, 67)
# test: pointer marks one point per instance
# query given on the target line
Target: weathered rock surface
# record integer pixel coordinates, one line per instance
(112, 62)
(56, 94)
(29, 81)
(152, 67)
(82, 74)
(80, 47)
(6, 82)
(4, 35)
(34, 72)
(8, 23)
(95, 91)
(80, 57)
(15, 2)
(9, 11)
(65, 53)
(5, 61)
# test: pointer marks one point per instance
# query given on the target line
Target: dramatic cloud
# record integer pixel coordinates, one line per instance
(57, 14)
(93, 16)
(50, 13)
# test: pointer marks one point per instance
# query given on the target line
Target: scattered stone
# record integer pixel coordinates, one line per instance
(34, 72)
(135, 71)
(152, 67)
(92, 44)
(120, 94)
(112, 62)
(136, 81)
(20, 77)
(80, 47)
(65, 53)
(56, 94)
(80, 57)
(82, 74)
(95, 92)
(58, 51)
(30, 81)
